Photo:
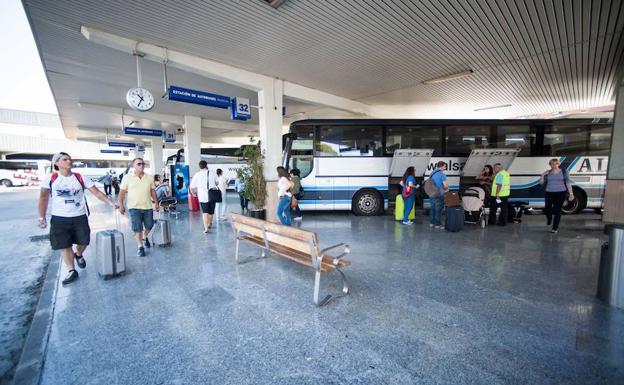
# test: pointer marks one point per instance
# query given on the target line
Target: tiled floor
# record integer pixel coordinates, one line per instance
(501, 305)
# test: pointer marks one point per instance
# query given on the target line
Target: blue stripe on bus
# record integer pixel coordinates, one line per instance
(341, 188)
(573, 163)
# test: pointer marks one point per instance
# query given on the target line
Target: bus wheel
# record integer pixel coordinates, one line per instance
(6, 183)
(577, 205)
(367, 202)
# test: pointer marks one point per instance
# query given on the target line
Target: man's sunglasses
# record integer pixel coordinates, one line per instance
(140, 164)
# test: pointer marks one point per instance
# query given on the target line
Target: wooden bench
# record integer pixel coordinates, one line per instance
(294, 244)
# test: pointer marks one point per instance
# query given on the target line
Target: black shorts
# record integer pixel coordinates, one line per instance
(208, 207)
(68, 231)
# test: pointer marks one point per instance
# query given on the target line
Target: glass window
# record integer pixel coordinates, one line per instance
(301, 152)
(600, 140)
(301, 156)
(399, 137)
(460, 140)
(566, 140)
(349, 141)
(515, 137)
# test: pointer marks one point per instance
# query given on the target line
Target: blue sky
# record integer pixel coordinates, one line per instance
(23, 85)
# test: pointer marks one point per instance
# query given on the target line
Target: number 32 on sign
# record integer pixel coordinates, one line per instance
(241, 110)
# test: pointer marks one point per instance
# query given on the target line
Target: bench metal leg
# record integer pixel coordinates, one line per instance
(329, 297)
(251, 258)
(237, 245)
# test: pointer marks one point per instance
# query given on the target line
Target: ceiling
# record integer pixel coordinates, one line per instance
(537, 56)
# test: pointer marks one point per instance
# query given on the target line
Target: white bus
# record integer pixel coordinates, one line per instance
(95, 169)
(345, 164)
(22, 172)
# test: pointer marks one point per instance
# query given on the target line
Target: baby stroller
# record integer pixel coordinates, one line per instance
(473, 202)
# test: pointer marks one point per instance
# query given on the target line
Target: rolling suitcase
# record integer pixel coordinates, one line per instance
(110, 252)
(399, 208)
(454, 219)
(161, 234)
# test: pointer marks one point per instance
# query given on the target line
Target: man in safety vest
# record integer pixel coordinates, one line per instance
(500, 194)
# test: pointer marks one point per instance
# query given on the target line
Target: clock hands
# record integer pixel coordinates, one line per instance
(141, 101)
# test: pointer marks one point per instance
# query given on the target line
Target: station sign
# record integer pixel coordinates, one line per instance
(240, 109)
(142, 131)
(169, 137)
(104, 151)
(121, 144)
(187, 95)
(141, 148)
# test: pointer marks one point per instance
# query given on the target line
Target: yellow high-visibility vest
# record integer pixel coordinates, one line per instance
(505, 189)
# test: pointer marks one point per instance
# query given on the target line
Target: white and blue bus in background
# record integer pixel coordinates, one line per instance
(345, 164)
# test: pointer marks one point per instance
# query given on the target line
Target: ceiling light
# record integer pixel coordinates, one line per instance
(492, 107)
(274, 3)
(446, 78)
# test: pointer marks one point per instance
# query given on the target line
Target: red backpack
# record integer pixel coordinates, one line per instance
(54, 177)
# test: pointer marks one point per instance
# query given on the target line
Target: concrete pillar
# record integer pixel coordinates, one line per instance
(614, 204)
(155, 154)
(270, 101)
(192, 143)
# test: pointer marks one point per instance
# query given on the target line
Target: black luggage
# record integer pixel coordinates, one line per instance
(454, 219)
(515, 211)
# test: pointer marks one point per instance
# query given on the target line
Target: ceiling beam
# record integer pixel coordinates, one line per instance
(223, 72)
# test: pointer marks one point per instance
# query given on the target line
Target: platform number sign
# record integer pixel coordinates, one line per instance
(241, 109)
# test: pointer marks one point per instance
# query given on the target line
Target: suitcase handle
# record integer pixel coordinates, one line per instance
(117, 219)
(118, 257)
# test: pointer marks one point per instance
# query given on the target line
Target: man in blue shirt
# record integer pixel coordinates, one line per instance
(437, 203)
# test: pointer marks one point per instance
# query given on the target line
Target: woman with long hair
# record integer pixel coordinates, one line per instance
(409, 190)
(485, 180)
(284, 195)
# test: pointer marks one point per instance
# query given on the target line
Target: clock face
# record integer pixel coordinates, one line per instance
(140, 99)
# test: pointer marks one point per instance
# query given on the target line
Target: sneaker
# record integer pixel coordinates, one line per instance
(141, 252)
(553, 231)
(407, 222)
(80, 261)
(297, 218)
(147, 243)
(439, 227)
(71, 277)
(431, 225)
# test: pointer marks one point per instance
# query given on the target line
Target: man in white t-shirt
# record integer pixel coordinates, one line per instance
(201, 182)
(69, 224)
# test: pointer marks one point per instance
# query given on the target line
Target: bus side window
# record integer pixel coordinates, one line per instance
(460, 140)
(401, 137)
(515, 137)
(349, 141)
(567, 139)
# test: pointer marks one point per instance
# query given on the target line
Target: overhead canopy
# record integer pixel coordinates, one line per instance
(527, 58)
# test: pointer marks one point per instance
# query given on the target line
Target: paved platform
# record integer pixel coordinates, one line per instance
(22, 266)
(496, 306)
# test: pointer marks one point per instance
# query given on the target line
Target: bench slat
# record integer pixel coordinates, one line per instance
(287, 231)
(303, 258)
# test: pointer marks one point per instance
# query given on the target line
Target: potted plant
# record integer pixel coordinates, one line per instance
(252, 176)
